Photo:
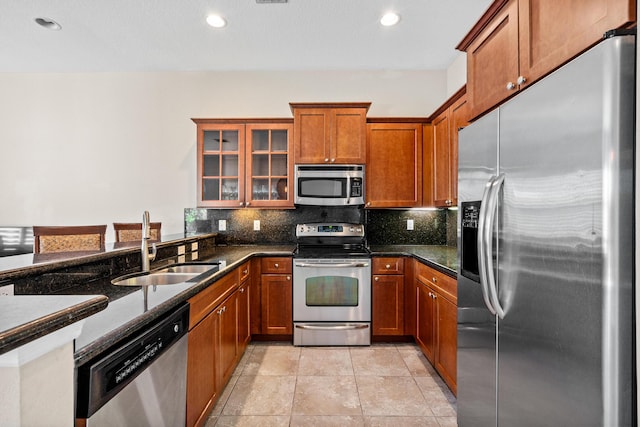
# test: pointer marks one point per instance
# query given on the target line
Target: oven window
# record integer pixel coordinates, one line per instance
(322, 187)
(334, 291)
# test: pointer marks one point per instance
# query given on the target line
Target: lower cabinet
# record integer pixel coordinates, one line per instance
(214, 349)
(276, 296)
(436, 320)
(244, 307)
(388, 306)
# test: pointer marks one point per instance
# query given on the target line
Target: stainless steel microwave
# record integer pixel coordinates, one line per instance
(329, 185)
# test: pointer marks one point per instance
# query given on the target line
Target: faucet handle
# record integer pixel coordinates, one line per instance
(154, 252)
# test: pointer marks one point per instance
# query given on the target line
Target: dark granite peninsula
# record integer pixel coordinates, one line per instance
(442, 258)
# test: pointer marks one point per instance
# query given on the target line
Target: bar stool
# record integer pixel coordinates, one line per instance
(132, 231)
(49, 239)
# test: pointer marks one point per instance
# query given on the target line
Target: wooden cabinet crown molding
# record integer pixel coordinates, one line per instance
(484, 20)
(235, 121)
(294, 105)
(448, 103)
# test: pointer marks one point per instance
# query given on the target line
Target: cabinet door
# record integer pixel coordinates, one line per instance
(492, 61)
(446, 353)
(348, 135)
(201, 370)
(277, 301)
(388, 304)
(311, 130)
(427, 166)
(228, 341)
(220, 165)
(459, 118)
(552, 32)
(269, 165)
(442, 160)
(394, 165)
(425, 321)
(244, 315)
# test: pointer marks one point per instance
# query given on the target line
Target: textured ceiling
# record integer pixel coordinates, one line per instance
(172, 35)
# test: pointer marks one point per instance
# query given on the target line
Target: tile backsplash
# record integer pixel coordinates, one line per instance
(383, 226)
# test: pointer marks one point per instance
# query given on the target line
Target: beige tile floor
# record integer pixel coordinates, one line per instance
(276, 384)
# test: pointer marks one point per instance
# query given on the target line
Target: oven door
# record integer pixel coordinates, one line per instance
(332, 290)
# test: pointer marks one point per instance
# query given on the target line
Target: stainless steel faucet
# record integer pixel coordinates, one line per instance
(146, 235)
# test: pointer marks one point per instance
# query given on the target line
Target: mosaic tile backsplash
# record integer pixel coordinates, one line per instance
(384, 226)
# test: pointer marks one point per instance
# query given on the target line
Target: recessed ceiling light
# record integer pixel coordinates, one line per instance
(216, 21)
(389, 19)
(49, 24)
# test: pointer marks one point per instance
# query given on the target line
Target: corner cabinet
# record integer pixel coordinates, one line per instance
(394, 164)
(516, 42)
(443, 155)
(329, 133)
(244, 163)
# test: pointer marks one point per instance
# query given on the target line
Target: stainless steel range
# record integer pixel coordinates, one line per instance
(331, 285)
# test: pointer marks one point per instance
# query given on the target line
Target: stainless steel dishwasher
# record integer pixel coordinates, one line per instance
(141, 381)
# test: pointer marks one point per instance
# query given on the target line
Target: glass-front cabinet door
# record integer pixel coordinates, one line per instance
(243, 164)
(269, 165)
(221, 165)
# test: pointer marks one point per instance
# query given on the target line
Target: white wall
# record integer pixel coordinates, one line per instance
(457, 74)
(103, 147)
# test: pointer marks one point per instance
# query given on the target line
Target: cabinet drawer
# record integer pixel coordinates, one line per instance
(388, 266)
(446, 285)
(203, 303)
(244, 271)
(276, 265)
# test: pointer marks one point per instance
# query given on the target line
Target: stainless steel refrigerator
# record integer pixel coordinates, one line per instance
(546, 331)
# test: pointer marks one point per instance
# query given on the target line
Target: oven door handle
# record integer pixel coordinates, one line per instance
(333, 328)
(327, 265)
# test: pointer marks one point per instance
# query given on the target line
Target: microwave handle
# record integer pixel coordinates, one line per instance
(348, 190)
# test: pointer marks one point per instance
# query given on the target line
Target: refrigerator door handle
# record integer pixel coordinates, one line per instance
(492, 208)
(482, 245)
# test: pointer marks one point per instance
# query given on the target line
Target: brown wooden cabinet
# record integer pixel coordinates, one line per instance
(202, 391)
(244, 307)
(244, 164)
(516, 42)
(394, 165)
(436, 317)
(388, 296)
(329, 133)
(452, 116)
(276, 296)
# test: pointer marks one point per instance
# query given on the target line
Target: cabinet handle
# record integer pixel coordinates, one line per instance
(247, 204)
(245, 271)
(368, 204)
(241, 204)
(326, 160)
(447, 202)
(288, 277)
(435, 279)
(511, 86)
(376, 278)
(388, 266)
(521, 80)
(276, 265)
(333, 160)
(242, 290)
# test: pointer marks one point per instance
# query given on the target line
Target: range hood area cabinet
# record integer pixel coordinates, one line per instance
(330, 132)
(516, 42)
(244, 163)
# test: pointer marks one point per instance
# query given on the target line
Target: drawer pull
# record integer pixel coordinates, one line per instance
(388, 266)
(242, 290)
(288, 277)
(376, 278)
(276, 265)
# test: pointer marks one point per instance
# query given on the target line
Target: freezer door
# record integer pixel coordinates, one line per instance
(565, 343)
(476, 380)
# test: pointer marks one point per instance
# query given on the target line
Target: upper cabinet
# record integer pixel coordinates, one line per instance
(394, 164)
(516, 42)
(329, 133)
(441, 152)
(244, 163)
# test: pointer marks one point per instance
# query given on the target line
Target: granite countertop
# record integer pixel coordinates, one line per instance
(443, 258)
(28, 317)
(131, 308)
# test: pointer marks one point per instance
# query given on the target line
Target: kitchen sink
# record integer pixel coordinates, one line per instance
(153, 279)
(188, 268)
(171, 275)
